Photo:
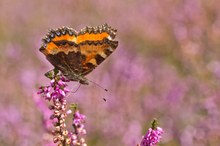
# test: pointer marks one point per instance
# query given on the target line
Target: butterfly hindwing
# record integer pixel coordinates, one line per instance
(96, 52)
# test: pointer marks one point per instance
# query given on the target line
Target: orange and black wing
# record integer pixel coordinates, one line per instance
(62, 51)
(96, 44)
(96, 52)
(78, 53)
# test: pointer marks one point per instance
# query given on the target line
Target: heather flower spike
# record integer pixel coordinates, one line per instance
(153, 135)
(56, 93)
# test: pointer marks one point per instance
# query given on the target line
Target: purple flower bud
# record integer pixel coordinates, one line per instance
(68, 112)
(152, 137)
(52, 81)
(66, 90)
(61, 92)
(48, 95)
(60, 83)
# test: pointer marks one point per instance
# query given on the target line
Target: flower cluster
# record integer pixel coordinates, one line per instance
(79, 131)
(56, 93)
(153, 135)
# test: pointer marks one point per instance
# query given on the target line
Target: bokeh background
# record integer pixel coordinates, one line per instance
(167, 66)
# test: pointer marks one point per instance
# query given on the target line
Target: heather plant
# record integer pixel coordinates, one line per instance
(56, 93)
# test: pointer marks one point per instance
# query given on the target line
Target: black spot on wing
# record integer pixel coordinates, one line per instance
(90, 65)
(83, 57)
(64, 42)
(99, 59)
(108, 51)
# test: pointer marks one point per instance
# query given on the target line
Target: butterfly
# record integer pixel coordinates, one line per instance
(76, 54)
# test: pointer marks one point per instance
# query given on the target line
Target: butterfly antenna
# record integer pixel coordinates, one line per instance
(98, 85)
(71, 91)
(76, 89)
(104, 99)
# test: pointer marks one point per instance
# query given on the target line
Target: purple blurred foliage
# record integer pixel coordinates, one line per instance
(46, 112)
(15, 127)
(166, 66)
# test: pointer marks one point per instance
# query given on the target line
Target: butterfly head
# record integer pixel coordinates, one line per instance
(76, 77)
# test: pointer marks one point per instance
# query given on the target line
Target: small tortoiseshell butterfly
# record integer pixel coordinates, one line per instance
(76, 54)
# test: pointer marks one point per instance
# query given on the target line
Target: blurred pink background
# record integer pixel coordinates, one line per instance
(167, 66)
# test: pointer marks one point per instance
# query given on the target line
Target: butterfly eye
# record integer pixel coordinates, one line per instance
(84, 82)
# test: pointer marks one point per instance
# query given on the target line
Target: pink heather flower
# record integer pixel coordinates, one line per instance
(56, 93)
(78, 118)
(79, 130)
(153, 135)
(56, 90)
